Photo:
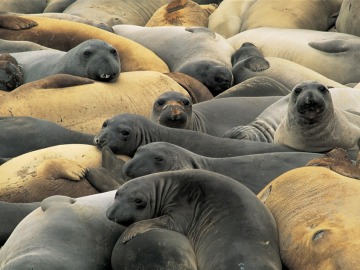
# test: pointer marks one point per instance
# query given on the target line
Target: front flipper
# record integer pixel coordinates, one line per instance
(61, 81)
(13, 22)
(101, 179)
(256, 63)
(143, 226)
(113, 164)
(247, 133)
(331, 46)
(60, 168)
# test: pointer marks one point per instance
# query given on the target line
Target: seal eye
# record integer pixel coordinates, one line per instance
(186, 102)
(87, 54)
(297, 91)
(113, 51)
(158, 159)
(322, 89)
(125, 132)
(104, 124)
(160, 102)
(140, 204)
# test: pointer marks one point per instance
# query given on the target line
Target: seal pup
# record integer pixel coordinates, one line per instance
(253, 171)
(312, 123)
(93, 59)
(223, 220)
(124, 133)
(214, 117)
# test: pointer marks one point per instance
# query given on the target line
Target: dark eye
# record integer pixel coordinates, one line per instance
(186, 102)
(87, 54)
(125, 132)
(297, 91)
(322, 89)
(159, 159)
(104, 124)
(113, 51)
(140, 204)
(218, 79)
(160, 102)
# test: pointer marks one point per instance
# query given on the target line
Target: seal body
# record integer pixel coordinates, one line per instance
(347, 20)
(315, 210)
(329, 49)
(124, 133)
(253, 171)
(94, 59)
(214, 117)
(212, 210)
(195, 51)
(60, 234)
(313, 124)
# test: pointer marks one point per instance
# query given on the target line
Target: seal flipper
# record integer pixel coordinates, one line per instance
(61, 81)
(60, 168)
(197, 29)
(144, 226)
(256, 63)
(330, 46)
(110, 175)
(13, 22)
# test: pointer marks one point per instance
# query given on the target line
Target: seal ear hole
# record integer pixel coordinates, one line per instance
(318, 235)
(186, 102)
(297, 91)
(140, 204)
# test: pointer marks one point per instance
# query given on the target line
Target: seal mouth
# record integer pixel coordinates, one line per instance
(106, 77)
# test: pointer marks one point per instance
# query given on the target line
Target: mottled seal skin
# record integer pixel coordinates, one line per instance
(11, 214)
(223, 220)
(11, 75)
(94, 59)
(16, 131)
(124, 133)
(154, 250)
(214, 117)
(195, 51)
(313, 124)
(63, 233)
(253, 171)
(317, 216)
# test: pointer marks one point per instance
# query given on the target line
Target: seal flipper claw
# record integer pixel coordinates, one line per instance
(61, 168)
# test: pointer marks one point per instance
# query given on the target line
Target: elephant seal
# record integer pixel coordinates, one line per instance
(259, 86)
(330, 49)
(57, 6)
(94, 59)
(10, 46)
(69, 34)
(124, 133)
(347, 20)
(195, 51)
(248, 62)
(60, 234)
(316, 15)
(113, 13)
(56, 170)
(11, 214)
(313, 124)
(135, 92)
(216, 232)
(253, 171)
(316, 213)
(15, 131)
(11, 75)
(180, 13)
(214, 117)
(147, 251)
(264, 126)
(227, 18)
